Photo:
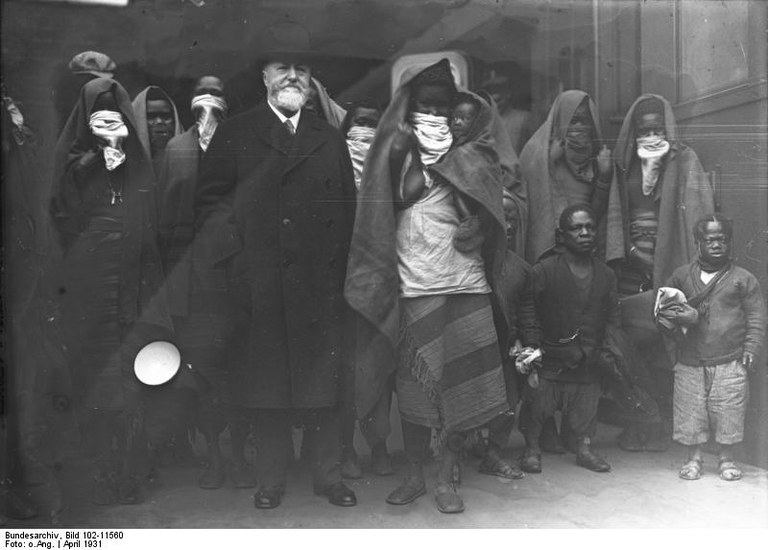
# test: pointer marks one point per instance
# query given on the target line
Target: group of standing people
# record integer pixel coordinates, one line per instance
(310, 262)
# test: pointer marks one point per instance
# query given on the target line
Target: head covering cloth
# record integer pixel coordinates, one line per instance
(140, 112)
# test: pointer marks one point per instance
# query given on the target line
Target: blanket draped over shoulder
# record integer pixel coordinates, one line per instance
(684, 196)
(546, 199)
(372, 284)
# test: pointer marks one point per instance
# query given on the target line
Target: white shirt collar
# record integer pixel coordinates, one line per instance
(294, 119)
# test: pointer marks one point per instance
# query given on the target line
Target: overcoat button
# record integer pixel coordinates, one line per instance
(286, 221)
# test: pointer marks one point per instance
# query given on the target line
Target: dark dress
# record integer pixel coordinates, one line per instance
(110, 277)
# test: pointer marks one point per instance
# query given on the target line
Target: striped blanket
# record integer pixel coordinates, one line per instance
(449, 376)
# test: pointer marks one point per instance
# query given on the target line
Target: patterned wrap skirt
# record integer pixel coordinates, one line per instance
(449, 375)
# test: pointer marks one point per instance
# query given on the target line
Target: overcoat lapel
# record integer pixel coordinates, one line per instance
(309, 137)
(271, 131)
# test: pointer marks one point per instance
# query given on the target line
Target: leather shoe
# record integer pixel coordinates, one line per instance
(266, 499)
(409, 491)
(530, 462)
(338, 494)
(448, 500)
(587, 459)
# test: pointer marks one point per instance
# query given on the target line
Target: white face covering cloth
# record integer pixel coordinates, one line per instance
(651, 149)
(109, 125)
(434, 136)
(359, 139)
(211, 110)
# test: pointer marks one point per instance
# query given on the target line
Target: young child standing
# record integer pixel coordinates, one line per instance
(718, 349)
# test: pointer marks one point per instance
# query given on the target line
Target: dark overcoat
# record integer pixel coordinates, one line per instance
(278, 210)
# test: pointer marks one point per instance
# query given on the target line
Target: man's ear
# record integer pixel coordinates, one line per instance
(558, 236)
(264, 77)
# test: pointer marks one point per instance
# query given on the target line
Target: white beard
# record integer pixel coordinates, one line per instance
(289, 99)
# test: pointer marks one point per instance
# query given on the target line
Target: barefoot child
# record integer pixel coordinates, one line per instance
(718, 349)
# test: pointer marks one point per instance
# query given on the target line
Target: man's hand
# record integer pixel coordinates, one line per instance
(747, 360)
(604, 164)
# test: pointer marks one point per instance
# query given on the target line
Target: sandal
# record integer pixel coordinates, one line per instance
(691, 470)
(499, 468)
(729, 471)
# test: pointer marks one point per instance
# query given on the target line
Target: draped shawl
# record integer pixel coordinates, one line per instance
(372, 283)
(684, 195)
(546, 199)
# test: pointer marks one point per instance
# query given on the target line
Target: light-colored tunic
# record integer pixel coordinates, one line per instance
(428, 262)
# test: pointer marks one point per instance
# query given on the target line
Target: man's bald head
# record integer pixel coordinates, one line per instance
(212, 85)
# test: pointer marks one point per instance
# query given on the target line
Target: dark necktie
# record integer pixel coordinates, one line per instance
(289, 126)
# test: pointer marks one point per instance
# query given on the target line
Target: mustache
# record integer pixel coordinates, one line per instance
(288, 85)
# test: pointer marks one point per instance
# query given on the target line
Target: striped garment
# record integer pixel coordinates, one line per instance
(449, 376)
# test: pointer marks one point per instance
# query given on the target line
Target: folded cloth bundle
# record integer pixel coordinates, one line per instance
(672, 313)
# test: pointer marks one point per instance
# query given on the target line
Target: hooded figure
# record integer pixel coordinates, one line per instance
(559, 167)
(112, 302)
(388, 280)
(677, 193)
(155, 140)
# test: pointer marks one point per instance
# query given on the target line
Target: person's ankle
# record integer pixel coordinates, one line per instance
(726, 453)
